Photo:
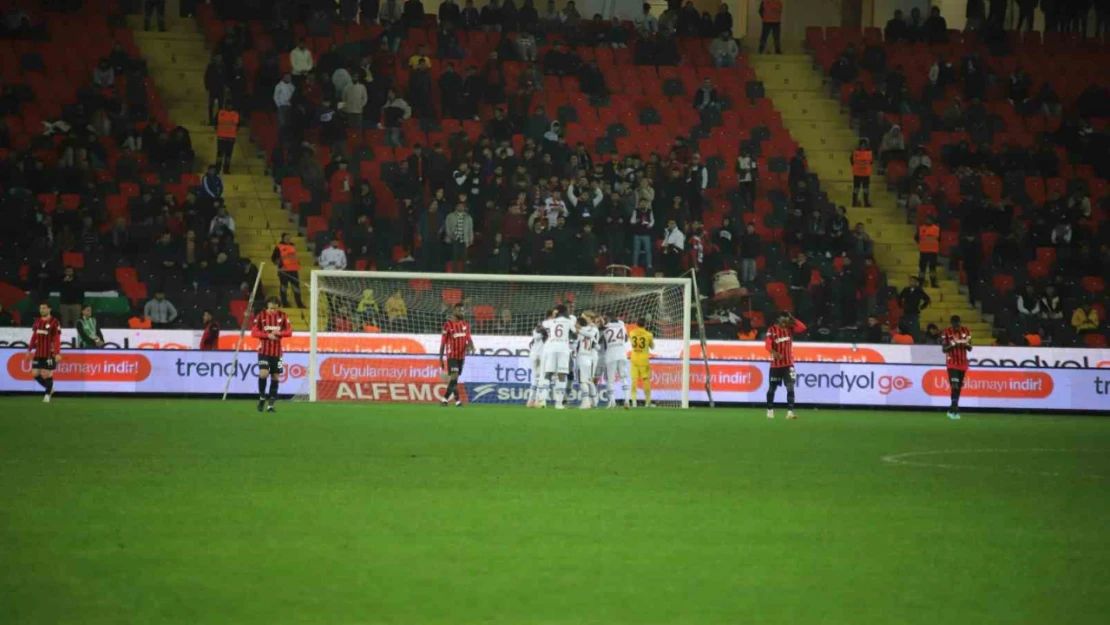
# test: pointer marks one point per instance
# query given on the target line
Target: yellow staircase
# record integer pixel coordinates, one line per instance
(817, 123)
(177, 59)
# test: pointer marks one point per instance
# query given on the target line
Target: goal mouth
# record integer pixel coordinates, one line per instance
(375, 337)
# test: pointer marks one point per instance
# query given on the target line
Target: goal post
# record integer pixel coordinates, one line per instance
(374, 336)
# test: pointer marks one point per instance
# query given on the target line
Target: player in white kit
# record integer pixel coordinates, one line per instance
(535, 357)
(588, 338)
(614, 336)
(558, 334)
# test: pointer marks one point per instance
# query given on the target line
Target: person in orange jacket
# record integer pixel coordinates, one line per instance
(770, 11)
(928, 247)
(861, 161)
(227, 128)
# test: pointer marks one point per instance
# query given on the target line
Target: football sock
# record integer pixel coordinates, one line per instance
(771, 388)
(790, 398)
(261, 388)
(647, 391)
(48, 384)
(560, 393)
(273, 387)
(451, 388)
(40, 381)
(955, 397)
(541, 392)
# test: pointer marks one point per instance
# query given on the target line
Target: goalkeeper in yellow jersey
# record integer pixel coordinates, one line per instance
(642, 344)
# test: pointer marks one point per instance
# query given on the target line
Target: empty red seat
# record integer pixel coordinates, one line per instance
(452, 296)
(1093, 284)
(1003, 282)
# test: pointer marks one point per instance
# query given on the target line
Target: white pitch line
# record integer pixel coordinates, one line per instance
(902, 459)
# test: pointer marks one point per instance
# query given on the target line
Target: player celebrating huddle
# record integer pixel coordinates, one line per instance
(588, 338)
(535, 357)
(780, 342)
(956, 343)
(642, 343)
(456, 343)
(558, 333)
(269, 327)
(614, 336)
(45, 350)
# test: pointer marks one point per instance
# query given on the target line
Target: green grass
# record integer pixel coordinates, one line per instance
(139, 511)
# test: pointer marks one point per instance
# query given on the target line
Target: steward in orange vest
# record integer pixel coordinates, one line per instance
(928, 247)
(227, 127)
(861, 161)
(288, 264)
(770, 11)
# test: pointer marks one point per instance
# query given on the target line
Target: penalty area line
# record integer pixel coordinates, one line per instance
(912, 459)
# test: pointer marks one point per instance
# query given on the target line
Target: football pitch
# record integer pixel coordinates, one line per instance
(194, 512)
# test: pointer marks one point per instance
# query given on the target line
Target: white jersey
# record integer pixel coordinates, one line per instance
(535, 348)
(559, 331)
(615, 335)
(588, 337)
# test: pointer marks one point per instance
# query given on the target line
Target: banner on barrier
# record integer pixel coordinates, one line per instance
(489, 345)
(505, 379)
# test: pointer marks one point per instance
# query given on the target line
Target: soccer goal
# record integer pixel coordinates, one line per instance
(375, 336)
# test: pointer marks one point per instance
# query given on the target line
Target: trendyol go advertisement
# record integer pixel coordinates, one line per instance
(506, 379)
(490, 345)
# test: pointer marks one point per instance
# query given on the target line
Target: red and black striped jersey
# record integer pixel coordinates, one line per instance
(456, 336)
(46, 337)
(270, 322)
(956, 341)
(780, 343)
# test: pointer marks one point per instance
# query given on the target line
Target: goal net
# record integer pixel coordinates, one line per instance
(375, 336)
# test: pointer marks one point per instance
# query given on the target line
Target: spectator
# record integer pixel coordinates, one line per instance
(150, 7)
(724, 49)
(160, 311)
(645, 22)
(1028, 305)
(104, 75)
(892, 148)
(897, 30)
(394, 112)
(449, 12)
(283, 97)
(673, 244)
(875, 332)
(210, 338)
(459, 234)
(420, 91)
(89, 335)
(1050, 307)
(913, 299)
(932, 335)
(751, 248)
(222, 225)
(72, 294)
(526, 46)
(471, 17)
(491, 17)
(333, 257)
(227, 129)
(450, 90)
(641, 224)
(301, 59)
(1085, 319)
(340, 80)
(705, 98)
(770, 11)
(412, 14)
(1026, 14)
(935, 28)
(354, 101)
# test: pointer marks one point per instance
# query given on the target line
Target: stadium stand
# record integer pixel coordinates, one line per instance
(383, 127)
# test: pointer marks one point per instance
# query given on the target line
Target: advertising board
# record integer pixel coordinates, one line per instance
(505, 379)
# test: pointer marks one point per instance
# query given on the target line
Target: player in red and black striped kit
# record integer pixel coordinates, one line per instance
(269, 327)
(780, 343)
(455, 344)
(45, 350)
(956, 343)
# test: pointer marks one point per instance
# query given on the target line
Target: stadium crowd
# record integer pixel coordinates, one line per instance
(480, 176)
